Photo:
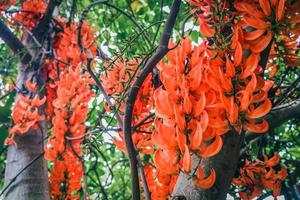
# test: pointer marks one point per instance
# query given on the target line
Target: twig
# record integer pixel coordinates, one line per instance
(100, 87)
(144, 182)
(106, 2)
(143, 121)
(160, 53)
(186, 19)
(160, 18)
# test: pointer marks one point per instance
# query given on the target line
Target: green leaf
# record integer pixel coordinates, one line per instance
(5, 114)
(3, 135)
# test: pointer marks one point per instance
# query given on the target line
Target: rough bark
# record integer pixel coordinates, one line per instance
(224, 163)
(32, 182)
(26, 175)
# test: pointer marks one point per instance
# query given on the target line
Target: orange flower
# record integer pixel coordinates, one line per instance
(25, 115)
(259, 175)
(36, 10)
(201, 181)
(70, 113)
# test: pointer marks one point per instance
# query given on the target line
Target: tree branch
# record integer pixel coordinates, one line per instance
(160, 53)
(14, 43)
(43, 27)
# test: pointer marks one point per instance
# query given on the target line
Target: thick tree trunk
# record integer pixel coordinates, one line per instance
(26, 159)
(26, 174)
(224, 163)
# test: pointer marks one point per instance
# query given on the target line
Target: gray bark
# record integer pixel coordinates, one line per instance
(32, 183)
(26, 174)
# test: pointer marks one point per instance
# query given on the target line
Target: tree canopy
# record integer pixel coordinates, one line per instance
(195, 99)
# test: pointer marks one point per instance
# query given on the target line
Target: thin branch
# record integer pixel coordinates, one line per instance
(106, 2)
(186, 19)
(160, 53)
(101, 88)
(101, 188)
(160, 19)
(143, 121)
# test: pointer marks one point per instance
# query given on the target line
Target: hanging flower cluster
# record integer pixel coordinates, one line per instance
(70, 113)
(212, 88)
(185, 105)
(67, 54)
(259, 175)
(67, 97)
(115, 82)
(277, 20)
(160, 185)
(25, 114)
(68, 94)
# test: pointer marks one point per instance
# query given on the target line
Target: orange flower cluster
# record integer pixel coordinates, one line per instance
(66, 44)
(212, 88)
(185, 105)
(71, 108)
(114, 83)
(67, 54)
(259, 175)
(207, 18)
(26, 110)
(25, 114)
(68, 94)
(31, 12)
(160, 185)
(285, 48)
(262, 20)
(239, 76)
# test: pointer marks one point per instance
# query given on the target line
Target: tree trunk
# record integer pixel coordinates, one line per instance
(224, 163)
(32, 181)
(26, 175)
